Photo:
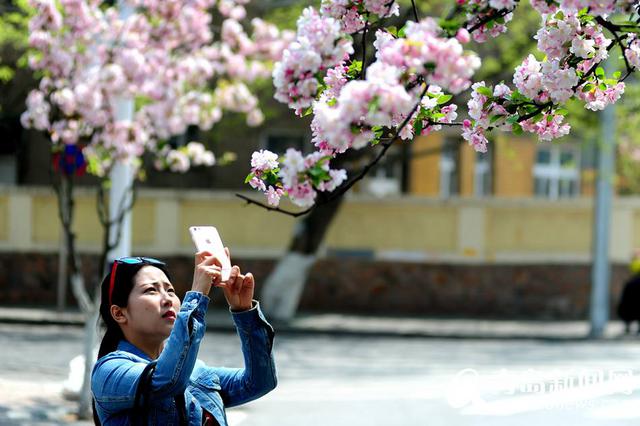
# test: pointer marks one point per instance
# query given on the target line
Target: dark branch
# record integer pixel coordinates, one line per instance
(364, 49)
(415, 10)
(345, 187)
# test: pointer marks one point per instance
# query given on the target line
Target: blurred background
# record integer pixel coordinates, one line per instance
(442, 290)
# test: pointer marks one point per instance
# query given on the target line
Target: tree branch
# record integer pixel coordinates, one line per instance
(345, 187)
(364, 48)
(415, 10)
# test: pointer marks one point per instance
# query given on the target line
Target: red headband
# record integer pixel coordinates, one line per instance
(112, 281)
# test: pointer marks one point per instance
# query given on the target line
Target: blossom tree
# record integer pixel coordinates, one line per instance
(175, 67)
(410, 87)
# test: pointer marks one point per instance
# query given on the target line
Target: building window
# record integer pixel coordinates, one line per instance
(449, 160)
(279, 142)
(482, 181)
(556, 173)
(386, 178)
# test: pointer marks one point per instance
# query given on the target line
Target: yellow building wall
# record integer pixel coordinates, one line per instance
(467, 166)
(45, 221)
(240, 225)
(513, 166)
(143, 222)
(636, 228)
(538, 229)
(394, 226)
(425, 168)
(4, 218)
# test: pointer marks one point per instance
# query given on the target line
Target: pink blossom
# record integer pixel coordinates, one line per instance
(633, 51)
(320, 43)
(273, 195)
(264, 160)
(463, 36)
(474, 136)
(548, 128)
(597, 99)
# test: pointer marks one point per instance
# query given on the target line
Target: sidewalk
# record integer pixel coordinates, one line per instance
(375, 326)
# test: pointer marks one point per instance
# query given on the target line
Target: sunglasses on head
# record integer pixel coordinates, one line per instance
(129, 261)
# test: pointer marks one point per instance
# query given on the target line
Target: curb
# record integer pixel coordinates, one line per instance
(341, 325)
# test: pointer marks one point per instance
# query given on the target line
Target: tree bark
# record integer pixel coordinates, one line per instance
(284, 287)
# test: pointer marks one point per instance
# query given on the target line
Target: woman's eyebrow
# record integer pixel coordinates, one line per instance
(158, 283)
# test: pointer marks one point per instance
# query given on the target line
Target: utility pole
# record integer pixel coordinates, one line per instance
(601, 269)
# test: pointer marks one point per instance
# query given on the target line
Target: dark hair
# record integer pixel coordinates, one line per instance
(118, 294)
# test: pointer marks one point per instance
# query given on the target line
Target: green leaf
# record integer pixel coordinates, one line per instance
(249, 177)
(417, 127)
(307, 111)
(561, 111)
(393, 30)
(484, 91)
(588, 87)
(602, 86)
(354, 69)
(443, 99)
(538, 117)
(617, 75)
(513, 119)
(600, 72)
(516, 128)
(495, 118)
(402, 33)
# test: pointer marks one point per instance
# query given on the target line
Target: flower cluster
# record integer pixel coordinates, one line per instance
(297, 176)
(183, 158)
(490, 108)
(563, 33)
(545, 81)
(320, 44)
(353, 14)
(423, 52)
(633, 51)
(430, 112)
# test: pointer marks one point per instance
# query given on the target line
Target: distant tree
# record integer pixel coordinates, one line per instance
(172, 64)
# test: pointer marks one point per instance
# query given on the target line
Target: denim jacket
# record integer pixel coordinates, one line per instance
(115, 376)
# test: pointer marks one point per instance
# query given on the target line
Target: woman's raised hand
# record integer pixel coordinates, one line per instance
(207, 272)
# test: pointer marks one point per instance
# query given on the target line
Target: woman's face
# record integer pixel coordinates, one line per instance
(153, 304)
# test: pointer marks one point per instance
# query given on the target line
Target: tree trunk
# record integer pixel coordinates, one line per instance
(284, 287)
(85, 409)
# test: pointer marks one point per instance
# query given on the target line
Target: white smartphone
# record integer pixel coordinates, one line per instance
(207, 238)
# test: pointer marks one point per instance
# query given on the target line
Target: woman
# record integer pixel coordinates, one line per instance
(141, 310)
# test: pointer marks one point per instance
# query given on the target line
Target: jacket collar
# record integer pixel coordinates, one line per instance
(125, 346)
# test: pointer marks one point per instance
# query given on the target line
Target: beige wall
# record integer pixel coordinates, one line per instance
(4, 217)
(418, 228)
(425, 165)
(467, 167)
(513, 171)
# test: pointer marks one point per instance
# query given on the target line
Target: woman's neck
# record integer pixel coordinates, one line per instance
(152, 348)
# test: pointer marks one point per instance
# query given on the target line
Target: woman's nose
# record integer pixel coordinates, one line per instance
(166, 299)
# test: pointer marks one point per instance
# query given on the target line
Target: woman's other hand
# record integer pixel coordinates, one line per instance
(238, 289)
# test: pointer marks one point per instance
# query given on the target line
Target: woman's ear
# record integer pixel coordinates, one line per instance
(118, 314)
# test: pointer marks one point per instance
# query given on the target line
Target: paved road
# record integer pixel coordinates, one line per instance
(370, 381)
